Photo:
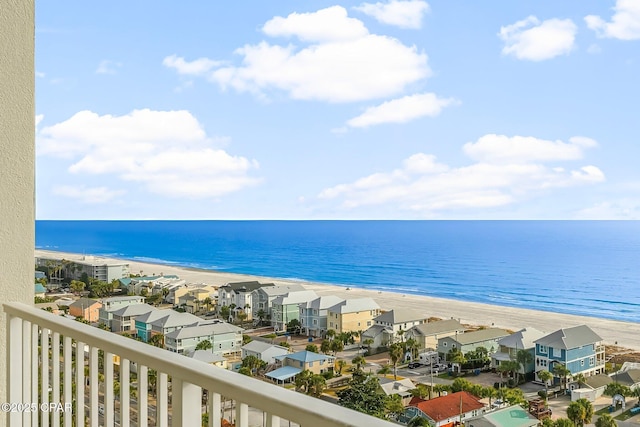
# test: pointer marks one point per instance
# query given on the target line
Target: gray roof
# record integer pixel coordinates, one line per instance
(204, 330)
(523, 339)
(480, 335)
(568, 338)
(322, 303)
(597, 381)
(174, 319)
(154, 315)
(84, 303)
(400, 316)
(261, 346)
(354, 305)
(401, 387)
(134, 310)
(282, 289)
(629, 377)
(207, 356)
(439, 327)
(122, 298)
(375, 330)
(297, 297)
(245, 286)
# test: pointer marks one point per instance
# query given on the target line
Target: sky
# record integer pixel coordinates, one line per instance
(453, 109)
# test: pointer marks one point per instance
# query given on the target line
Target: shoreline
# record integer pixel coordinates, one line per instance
(613, 332)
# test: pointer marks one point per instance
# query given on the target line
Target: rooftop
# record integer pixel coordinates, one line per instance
(449, 406)
(306, 356)
(134, 310)
(355, 305)
(522, 339)
(568, 338)
(204, 330)
(245, 286)
(261, 346)
(480, 335)
(439, 327)
(322, 303)
(296, 297)
(401, 316)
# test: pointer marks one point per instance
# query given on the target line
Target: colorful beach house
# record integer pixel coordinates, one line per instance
(86, 308)
(264, 351)
(313, 315)
(352, 315)
(112, 304)
(427, 334)
(239, 294)
(509, 346)
(470, 341)
(579, 349)
(446, 411)
(286, 308)
(294, 363)
(225, 338)
(392, 325)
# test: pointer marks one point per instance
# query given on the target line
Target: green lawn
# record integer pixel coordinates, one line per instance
(626, 415)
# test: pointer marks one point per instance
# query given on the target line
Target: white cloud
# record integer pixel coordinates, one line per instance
(326, 25)
(624, 25)
(402, 110)
(422, 184)
(533, 40)
(196, 67)
(108, 67)
(167, 151)
(343, 63)
(39, 118)
(92, 195)
(404, 14)
(503, 149)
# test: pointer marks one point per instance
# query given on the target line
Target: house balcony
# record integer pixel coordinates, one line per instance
(44, 352)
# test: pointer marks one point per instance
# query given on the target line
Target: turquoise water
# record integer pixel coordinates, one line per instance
(580, 267)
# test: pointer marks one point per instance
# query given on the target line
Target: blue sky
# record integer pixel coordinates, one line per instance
(338, 110)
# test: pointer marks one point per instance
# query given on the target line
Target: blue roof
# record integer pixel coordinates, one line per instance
(284, 373)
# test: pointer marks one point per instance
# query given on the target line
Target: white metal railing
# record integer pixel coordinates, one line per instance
(46, 383)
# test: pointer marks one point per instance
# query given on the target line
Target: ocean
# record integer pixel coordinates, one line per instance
(586, 268)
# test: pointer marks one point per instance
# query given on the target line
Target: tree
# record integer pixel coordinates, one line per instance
(364, 395)
(368, 342)
(207, 301)
(563, 372)
(330, 333)
(225, 312)
(242, 316)
(440, 388)
(606, 420)
(77, 286)
(359, 361)
(422, 391)
(384, 370)
(204, 345)
(325, 346)
(271, 336)
(303, 380)
(393, 406)
(157, 340)
(563, 422)
(246, 339)
(545, 376)
(294, 326)
(418, 421)
(336, 346)
(524, 358)
(312, 348)
(616, 388)
(261, 315)
(395, 354)
(580, 379)
(340, 364)
(412, 346)
(460, 384)
(316, 386)
(580, 412)
(489, 392)
(254, 363)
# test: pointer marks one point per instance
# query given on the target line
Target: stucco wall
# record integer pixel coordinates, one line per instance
(17, 151)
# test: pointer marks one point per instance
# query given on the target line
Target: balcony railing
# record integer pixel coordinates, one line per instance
(47, 384)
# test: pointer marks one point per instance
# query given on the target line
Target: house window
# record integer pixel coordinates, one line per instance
(315, 321)
(582, 362)
(444, 344)
(310, 364)
(543, 349)
(592, 361)
(369, 323)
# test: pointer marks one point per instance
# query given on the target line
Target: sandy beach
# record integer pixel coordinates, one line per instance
(624, 334)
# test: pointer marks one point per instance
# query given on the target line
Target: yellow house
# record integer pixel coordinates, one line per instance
(352, 315)
(294, 363)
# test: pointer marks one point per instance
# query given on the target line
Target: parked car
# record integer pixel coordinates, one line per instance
(414, 365)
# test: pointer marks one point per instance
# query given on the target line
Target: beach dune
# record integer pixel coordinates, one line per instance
(624, 334)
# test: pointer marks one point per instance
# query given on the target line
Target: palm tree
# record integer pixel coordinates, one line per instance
(317, 385)
(261, 315)
(330, 334)
(606, 420)
(580, 412)
(395, 354)
(563, 372)
(204, 345)
(384, 370)
(157, 340)
(545, 376)
(207, 302)
(325, 346)
(303, 380)
(524, 358)
(412, 346)
(418, 421)
(340, 364)
(489, 392)
(368, 342)
(359, 361)
(580, 379)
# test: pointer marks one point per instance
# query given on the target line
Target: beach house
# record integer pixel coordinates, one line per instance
(262, 298)
(352, 315)
(579, 349)
(313, 315)
(286, 308)
(238, 295)
(470, 341)
(294, 363)
(446, 411)
(509, 346)
(114, 303)
(73, 267)
(225, 338)
(172, 322)
(427, 334)
(206, 356)
(86, 308)
(392, 325)
(264, 351)
(124, 319)
(400, 387)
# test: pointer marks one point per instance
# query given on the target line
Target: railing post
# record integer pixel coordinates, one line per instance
(162, 400)
(93, 387)
(143, 395)
(80, 386)
(15, 370)
(186, 402)
(109, 411)
(215, 413)
(55, 377)
(67, 372)
(242, 414)
(272, 420)
(28, 371)
(44, 386)
(33, 356)
(124, 392)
